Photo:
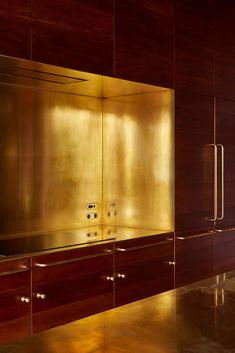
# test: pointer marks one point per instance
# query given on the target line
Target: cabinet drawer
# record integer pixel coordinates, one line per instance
(15, 302)
(224, 251)
(194, 258)
(76, 286)
(14, 274)
(142, 270)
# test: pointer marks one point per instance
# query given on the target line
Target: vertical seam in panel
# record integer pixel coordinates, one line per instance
(114, 37)
(31, 30)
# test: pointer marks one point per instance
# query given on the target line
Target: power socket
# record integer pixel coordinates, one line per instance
(92, 215)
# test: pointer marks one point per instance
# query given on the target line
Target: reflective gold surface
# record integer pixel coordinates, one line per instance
(138, 160)
(38, 76)
(68, 139)
(51, 160)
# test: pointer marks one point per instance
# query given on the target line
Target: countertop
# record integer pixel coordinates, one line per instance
(12, 246)
(193, 319)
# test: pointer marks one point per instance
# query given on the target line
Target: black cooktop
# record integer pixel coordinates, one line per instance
(51, 240)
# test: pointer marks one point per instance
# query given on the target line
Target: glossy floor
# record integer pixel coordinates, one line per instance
(193, 319)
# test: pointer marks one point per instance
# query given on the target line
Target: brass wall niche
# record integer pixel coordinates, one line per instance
(138, 155)
(70, 138)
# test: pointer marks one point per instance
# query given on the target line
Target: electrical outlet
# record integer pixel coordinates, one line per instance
(92, 234)
(91, 206)
(92, 215)
(112, 213)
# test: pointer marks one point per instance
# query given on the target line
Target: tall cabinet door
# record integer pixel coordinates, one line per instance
(194, 162)
(225, 140)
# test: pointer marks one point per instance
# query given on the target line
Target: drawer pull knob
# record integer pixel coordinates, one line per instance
(41, 295)
(171, 263)
(25, 299)
(121, 275)
(110, 278)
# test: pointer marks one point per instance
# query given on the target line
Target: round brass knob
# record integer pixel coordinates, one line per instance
(121, 275)
(25, 299)
(110, 278)
(41, 295)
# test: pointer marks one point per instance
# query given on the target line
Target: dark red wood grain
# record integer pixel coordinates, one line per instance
(225, 50)
(194, 160)
(224, 251)
(194, 59)
(74, 34)
(143, 45)
(16, 8)
(15, 315)
(147, 270)
(73, 290)
(15, 37)
(225, 135)
(194, 259)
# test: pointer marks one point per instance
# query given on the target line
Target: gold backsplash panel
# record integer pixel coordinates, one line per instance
(50, 160)
(138, 160)
(69, 138)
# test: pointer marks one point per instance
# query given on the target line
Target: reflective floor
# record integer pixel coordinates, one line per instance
(198, 318)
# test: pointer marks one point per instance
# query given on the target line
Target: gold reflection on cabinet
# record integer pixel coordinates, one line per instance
(69, 138)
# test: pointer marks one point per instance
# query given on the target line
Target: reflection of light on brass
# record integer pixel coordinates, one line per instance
(138, 154)
(60, 151)
(216, 297)
(167, 302)
(222, 294)
(219, 296)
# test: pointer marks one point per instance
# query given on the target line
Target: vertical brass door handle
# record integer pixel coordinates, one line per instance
(222, 181)
(215, 183)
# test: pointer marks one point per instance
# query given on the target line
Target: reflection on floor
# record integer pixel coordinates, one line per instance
(199, 318)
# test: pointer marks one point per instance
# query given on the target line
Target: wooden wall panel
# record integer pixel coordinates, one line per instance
(225, 135)
(74, 34)
(161, 7)
(15, 28)
(194, 158)
(194, 46)
(225, 50)
(143, 44)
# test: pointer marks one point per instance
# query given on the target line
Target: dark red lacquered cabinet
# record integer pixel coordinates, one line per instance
(194, 162)
(143, 267)
(225, 139)
(15, 299)
(69, 285)
(224, 251)
(194, 258)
